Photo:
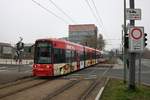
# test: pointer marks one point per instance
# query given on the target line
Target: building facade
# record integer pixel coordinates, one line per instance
(6, 50)
(28, 52)
(80, 33)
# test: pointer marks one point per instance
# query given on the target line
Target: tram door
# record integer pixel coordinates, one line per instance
(69, 54)
(78, 60)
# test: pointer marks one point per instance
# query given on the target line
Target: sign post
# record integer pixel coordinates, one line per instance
(132, 57)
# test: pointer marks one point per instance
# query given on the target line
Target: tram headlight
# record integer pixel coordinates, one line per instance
(35, 66)
(47, 66)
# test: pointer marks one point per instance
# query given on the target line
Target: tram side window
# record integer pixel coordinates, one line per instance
(86, 55)
(98, 55)
(73, 56)
(59, 55)
(93, 55)
(81, 56)
(70, 56)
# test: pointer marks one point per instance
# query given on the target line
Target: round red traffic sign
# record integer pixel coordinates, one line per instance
(136, 33)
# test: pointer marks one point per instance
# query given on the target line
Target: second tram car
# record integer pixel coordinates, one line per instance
(55, 57)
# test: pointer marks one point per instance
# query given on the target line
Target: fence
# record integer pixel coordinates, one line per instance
(12, 61)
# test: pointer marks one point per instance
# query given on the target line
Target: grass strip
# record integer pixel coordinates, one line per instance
(117, 90)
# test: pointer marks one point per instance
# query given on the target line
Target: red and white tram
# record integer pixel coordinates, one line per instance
(55, 57)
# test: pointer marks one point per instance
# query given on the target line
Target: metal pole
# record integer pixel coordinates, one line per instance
(124, 50)
(139, 77)
(132, 58)
(19, 62)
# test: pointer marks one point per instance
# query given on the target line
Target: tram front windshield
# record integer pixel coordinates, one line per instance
(42, 53)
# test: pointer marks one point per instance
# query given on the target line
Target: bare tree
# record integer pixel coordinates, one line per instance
(94, 42)
(100, 42)
(146, 53)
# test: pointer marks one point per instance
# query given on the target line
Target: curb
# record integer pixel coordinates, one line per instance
(102, 89)
(106, 65)
(146, 84)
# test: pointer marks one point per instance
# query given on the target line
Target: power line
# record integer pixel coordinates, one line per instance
(97, 12)
(62, 11)
(113, 39)
(92, 11)
(50, 11)
(112, 44)
(98, 15)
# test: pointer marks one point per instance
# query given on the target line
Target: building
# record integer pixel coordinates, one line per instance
(80, 33)
(64, 38)
(6, 50)
(28, 52)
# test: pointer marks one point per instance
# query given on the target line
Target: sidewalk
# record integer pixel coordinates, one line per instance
(119, 64)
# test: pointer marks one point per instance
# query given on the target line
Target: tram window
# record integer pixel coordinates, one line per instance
(43, 53)
(81, 56)
(93, 55)
(70, 56)
(86, 56)
(59, 55)
(73, 56)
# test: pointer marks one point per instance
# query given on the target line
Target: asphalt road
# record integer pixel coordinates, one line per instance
(91, 72)
(9, 73)
(145, 71)
(116, 72)
(15, 68)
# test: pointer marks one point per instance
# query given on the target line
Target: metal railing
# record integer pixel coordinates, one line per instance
(13, 61)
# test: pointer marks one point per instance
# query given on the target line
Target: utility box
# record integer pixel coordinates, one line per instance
(136, 39)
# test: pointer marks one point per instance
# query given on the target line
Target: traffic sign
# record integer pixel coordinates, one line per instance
(136, 33)
(133, 14)
(136, 39)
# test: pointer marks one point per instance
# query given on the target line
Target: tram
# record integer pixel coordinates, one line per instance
(54, 57)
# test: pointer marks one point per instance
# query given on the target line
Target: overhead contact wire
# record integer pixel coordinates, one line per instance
(50, 11)
(62, 11)
(92, 11)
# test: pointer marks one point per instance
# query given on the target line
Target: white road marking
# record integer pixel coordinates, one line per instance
(27, 71)
(99, 93)
(83, 74)
(1, 68)
(105, 72)
(30, 65)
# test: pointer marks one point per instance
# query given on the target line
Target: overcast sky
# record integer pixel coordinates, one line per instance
(26, 19)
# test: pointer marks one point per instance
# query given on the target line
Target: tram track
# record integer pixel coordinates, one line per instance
(18, 87)
(79, 88)
(62, 89)
(88, 90)
(88, 95)
(96, 84)
(73, 92)
(39, 91)
(16, 82)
